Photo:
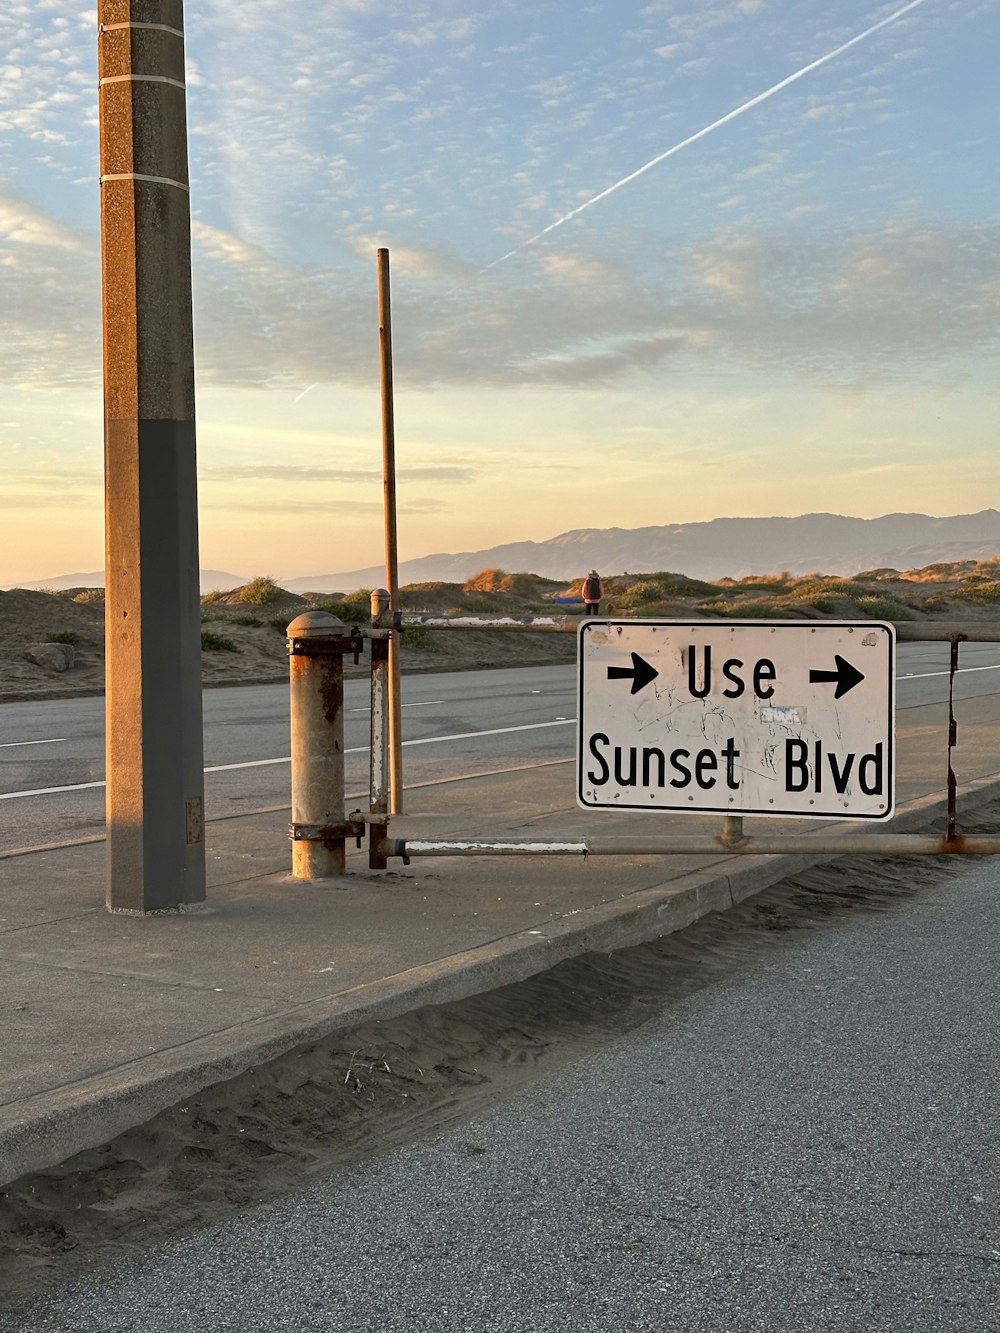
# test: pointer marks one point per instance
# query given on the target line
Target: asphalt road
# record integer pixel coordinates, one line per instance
(52, 752)
(805, 1143)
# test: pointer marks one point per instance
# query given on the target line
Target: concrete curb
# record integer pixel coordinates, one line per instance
(45, 1130)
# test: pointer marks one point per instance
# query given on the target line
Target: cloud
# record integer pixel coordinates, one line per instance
(450, 474)
(879, 306)
(314, 142)
(576, 366)
(229, 249)
(24, 225)
(444, 30)
(410, 260)
(322, 505)
(50, 300)
(576, 268)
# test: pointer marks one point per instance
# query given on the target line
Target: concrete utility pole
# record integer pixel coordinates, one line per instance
(155, 783)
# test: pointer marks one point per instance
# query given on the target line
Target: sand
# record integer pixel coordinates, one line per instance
(256, 633)
(317, 1110)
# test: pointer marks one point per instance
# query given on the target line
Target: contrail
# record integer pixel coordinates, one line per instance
(298, 398)
(693, 138)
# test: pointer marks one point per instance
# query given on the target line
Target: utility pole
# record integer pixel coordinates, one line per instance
(155, 782)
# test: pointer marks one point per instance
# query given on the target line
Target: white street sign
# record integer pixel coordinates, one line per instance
(739, 717)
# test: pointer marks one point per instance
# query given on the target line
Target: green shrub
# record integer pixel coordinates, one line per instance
(422, 640)
(776, 586)
(261, 591)
(843, 588)
(753, 608)
(63, 636)
(355, 609)
(281, 623)
(209, 597)
(658, 588)
(873, 607)
(217, 643)
(638, 594)
(979, 592)
(245, 618)
(90, 595)
(481, 606)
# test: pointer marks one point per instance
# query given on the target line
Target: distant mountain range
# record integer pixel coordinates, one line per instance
(210, 580)
(734, 547)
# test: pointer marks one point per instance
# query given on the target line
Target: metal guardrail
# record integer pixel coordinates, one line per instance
(907, 631)
(317, 699)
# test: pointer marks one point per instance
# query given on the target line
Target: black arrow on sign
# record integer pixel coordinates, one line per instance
(846, 676)
(640, 673)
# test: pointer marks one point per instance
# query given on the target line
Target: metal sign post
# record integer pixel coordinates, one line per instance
(737, 717)
(391, 543)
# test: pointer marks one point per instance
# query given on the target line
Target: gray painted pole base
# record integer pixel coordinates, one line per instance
(155, 848)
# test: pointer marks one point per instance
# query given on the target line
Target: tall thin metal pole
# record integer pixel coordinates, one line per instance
(391, 556)
(155, 782)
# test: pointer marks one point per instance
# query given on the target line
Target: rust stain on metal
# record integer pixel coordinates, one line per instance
(331, 688)
(955, 844)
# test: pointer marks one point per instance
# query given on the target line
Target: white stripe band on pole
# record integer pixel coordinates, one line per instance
(149, 27)
(153, 180)
(142, 78)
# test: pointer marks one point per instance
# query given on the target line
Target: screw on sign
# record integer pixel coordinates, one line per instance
(789, 718)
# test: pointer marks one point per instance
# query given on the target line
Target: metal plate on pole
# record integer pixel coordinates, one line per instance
(737, 717)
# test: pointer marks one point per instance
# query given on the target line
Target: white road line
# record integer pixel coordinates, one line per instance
(363, 749)
(471, 735)
(48, 791)
(423, 703)
(924, 675)
(286, 759)
(12, 745)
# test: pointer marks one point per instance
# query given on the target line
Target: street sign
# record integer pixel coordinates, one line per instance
(738, 717)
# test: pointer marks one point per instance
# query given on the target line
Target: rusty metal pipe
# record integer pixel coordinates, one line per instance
(845, 844)
(391, 538)
(379, 763)
(316, 646)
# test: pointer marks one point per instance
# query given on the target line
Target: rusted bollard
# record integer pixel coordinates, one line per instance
(379, 793)
(317, 642)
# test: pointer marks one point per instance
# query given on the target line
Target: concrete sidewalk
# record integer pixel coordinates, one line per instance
(110, 1019)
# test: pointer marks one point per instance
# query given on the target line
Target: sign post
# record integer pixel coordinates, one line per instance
(737, 717)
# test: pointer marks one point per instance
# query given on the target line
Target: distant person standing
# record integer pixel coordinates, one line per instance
(592, 592)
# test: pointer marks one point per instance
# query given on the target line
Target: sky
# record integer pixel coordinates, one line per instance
(795, 308)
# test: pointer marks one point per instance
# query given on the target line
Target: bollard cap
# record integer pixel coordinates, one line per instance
(316, 625)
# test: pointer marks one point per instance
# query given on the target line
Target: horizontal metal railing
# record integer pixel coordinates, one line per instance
(864, 844)
(907, 631)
